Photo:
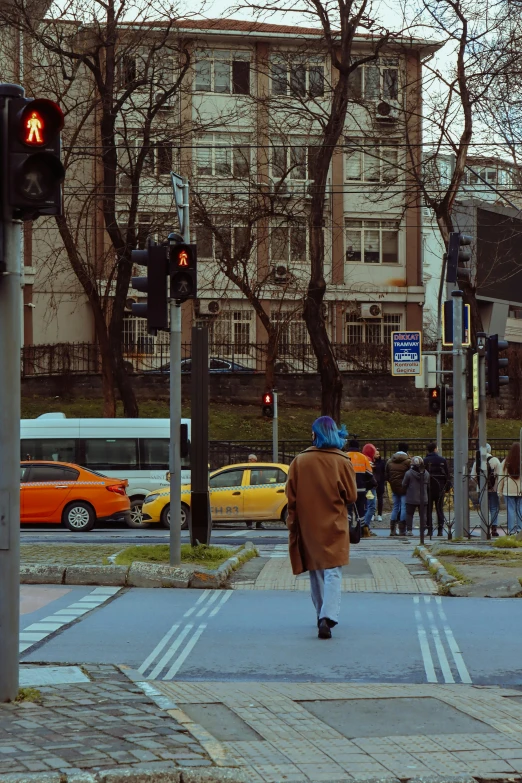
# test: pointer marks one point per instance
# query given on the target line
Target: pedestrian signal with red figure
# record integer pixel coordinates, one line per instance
(268, 405)
(35, 169)
(434, 398)
(183, 271)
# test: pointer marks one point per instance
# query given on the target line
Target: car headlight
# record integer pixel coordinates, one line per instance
(150, 498)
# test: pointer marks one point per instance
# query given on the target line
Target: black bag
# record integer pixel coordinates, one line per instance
(355, 532)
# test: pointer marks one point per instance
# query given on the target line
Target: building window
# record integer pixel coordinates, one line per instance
(288, 244)
(372, 241)
(127, 71)
(376, 81)
(376, 331)
(226, 241)
(223, 154)
(136, 338)
(293, 161)
(297, 77)
(223, 71)
(232, 328)
(370, 161)
(292, 330)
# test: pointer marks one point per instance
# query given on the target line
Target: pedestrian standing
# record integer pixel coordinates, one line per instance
(369, 450)
(438, 470)
(493, 470)
(379, 466)
(511, 488)
(415, 482)
(321, 484)
(364, 476)
(395, 471)
(252, 458)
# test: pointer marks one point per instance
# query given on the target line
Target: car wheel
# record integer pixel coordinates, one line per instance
(136, 514)
(79, 517)
(284, 515)
(185, 516)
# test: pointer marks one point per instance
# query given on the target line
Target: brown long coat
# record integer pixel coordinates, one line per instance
(321, 482)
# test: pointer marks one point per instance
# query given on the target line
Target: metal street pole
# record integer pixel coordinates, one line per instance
(439, 414)
(460, 416)
(200, 517)
(275, 432)
(175, 431)
(10, 330)
(482, 477)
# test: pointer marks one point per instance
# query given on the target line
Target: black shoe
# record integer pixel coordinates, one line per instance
(440, 532)
(260, 526)
(324, 629)
(249, 526)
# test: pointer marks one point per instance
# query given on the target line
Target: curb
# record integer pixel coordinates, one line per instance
(145, 773)
(135, 575)
(441, 575)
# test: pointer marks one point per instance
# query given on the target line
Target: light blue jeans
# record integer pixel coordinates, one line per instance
(514, 513)
(325, 586)
(370, 510)
(398, 513)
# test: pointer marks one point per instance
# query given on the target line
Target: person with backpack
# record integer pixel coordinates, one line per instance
(364, 476)
(379, 466)
(369, 450)
(415, 483)
(492, 480)
(511, 487)
(395, 470)
(439, 474)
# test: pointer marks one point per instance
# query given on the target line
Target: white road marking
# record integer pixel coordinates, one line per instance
(62, 617)
(203, 597)
(159, 647)
(208, 604)
(170, 652)
(441, 643)
(225, 598)
(183, 655)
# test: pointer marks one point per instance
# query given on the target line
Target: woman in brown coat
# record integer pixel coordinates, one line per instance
(321, 483)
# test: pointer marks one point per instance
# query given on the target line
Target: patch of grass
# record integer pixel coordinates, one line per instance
(29, 694)
(68, 554)
(455, 573)
(507, 542)
(244, 422)
(212, 556)
(477, 554)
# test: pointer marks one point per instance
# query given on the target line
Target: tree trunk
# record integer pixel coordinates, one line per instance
(109, 397)
(271, 357)
(123, 380)
(331, 380)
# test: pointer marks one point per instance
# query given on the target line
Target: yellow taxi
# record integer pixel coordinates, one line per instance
(249, 491)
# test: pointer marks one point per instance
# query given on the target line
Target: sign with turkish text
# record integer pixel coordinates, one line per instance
(406, 353)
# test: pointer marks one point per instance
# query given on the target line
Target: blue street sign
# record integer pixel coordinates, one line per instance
(447, 324)
(406, 353)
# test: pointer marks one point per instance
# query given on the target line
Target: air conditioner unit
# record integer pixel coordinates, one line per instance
(371, 310)
(209, 307)
(124, 181)
(280, 189)
(281, 274)
(387, 112)
(128, 304)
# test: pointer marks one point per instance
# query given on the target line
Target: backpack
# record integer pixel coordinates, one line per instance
(492, 479)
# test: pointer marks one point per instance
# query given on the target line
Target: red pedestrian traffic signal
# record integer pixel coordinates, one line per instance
(183, 271)
(434, 399)
(268, 405)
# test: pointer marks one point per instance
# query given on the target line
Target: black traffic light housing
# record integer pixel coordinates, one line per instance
(446, 403)
(495, 363)
(155, 310)
(183, 260)
(35, 170)
(434, 399)
(459, 254)
(268, 405)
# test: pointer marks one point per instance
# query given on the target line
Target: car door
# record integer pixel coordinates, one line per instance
(227, 494)
(46, 491)
(265, 497)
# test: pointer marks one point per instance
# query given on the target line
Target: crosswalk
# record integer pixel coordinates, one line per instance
(441, 655)
(41, 629)
(173, 649)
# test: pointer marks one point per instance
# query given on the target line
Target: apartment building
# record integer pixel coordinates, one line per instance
(254, 100)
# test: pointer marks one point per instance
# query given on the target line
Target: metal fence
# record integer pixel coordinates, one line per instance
(85, 358)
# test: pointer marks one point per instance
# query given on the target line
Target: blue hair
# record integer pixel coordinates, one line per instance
(327, 434)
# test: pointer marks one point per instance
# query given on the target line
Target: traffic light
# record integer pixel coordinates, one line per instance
(446, 404)
(268, 405)
(155, 309)
(183, 271)
(495, 363)
(459, 254)
(35, 170)
(434, 399)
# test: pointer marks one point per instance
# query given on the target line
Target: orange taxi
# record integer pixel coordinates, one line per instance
(76, 497)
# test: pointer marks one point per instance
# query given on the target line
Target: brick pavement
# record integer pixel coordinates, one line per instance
(99, 725)
(388, 575)
(296, 746)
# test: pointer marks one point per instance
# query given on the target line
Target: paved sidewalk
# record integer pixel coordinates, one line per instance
(102, 724)
(371, 571)
(318, 732)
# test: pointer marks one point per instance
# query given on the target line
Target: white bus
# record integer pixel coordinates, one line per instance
(132, 449)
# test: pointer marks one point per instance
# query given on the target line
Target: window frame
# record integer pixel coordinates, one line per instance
(360, 147)
(383, 64)
(224, 472)
(233, 144)
(288, 67)
(390, 322)
(373, 225)
(234, 57)
(34, 467)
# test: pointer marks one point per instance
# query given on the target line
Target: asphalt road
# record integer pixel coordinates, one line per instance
(258, 635)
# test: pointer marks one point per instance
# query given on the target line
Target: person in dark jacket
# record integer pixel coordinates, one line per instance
(379, 466)
(396, 467)
(438, 469)
(415, 483)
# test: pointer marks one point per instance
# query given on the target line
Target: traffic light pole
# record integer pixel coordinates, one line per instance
(460, 421)
(175, 430)
(275, 432)
(482, 477)
(10, 329)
